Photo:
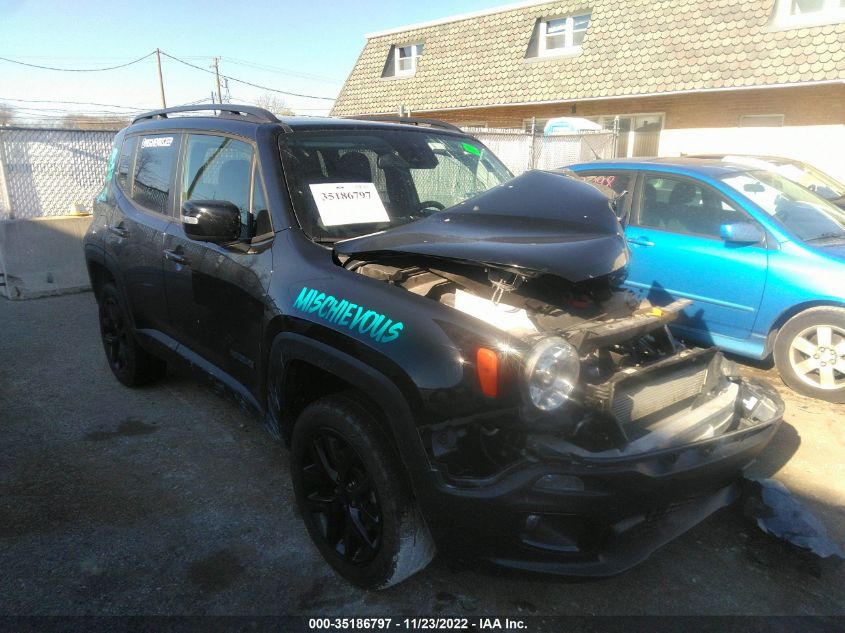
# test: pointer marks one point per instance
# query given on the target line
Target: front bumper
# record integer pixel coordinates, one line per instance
(582, 515)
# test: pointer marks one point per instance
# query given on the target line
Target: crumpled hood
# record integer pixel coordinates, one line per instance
(540, 222)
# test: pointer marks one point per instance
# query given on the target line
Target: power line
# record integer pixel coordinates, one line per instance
(104, 105)
(32, 112)
(283, 71)
(77, 70)
(248, 83)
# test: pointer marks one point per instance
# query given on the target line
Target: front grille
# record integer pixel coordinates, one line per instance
(636, 400)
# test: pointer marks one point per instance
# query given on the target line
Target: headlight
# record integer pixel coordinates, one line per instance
(551, 373)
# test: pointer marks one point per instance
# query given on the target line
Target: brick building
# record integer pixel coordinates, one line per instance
(679, 76)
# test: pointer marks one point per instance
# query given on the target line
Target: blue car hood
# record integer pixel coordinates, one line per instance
(538, 223)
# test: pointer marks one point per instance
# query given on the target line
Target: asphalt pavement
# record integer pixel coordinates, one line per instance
(169, 500)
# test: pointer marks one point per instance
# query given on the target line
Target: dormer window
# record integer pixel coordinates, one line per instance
(804, 7)
(406, 58)
(562, 36)
(798, 13)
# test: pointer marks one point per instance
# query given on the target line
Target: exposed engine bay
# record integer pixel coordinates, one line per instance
(597, 374)
(638, 389)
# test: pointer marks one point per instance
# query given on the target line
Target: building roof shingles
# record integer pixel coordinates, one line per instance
(632, 47)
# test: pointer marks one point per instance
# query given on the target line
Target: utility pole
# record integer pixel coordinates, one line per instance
(160, 80)
(217, 74)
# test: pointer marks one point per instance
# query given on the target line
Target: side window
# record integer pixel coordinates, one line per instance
(124, 163)
(684, 206)
(620, 183)
(153, 164)
(219, 168)
(614, 184)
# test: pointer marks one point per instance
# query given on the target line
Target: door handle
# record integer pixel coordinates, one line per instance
(173, 256)
(119, 231)
(640, 241)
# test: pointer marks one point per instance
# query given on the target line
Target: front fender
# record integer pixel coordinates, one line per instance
(392, 401)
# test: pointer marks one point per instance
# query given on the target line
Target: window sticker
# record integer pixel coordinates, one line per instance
(160, 141)
(348, 203)
(606, 180)
(112, 162)
(471, 149)
(103, 195)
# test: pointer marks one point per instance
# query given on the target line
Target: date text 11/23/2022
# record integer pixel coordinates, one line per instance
(417, 624)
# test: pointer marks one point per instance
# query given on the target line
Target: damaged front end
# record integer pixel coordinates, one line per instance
(597, 422)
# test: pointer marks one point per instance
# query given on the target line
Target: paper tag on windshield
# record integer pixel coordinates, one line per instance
(348, 203)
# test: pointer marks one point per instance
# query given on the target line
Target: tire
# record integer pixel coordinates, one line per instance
(131, 365)
(810, 353)
(354, 496)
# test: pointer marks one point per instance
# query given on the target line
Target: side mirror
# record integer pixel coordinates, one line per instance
(216, 221)
(741, 233)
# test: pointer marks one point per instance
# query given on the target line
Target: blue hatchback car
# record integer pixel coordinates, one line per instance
(761, 258)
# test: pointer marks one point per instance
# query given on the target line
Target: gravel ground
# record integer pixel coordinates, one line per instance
(169, 500)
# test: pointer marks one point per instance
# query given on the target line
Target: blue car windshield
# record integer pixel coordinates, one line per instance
(803, 213)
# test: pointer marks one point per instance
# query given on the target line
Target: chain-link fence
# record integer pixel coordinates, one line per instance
(49, 172)
(521, 151)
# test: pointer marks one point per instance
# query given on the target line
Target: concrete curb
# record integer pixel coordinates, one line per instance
(43, 256)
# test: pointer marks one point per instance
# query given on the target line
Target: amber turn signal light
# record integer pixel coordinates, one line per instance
(487, 366)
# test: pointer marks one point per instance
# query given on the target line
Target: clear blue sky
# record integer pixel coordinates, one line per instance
(312, 46)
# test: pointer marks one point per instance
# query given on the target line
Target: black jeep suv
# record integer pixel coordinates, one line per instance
(444, 348)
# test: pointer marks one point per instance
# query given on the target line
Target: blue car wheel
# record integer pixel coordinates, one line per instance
(810, 353)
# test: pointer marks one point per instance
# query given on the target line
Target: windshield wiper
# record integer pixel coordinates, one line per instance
(826, 236)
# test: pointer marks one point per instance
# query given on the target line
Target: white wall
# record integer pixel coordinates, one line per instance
(820, 145)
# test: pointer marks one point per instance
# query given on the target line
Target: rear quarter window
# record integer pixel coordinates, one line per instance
(124, 162)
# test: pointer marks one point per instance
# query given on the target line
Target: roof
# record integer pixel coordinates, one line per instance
(701, 166)
(632, 48)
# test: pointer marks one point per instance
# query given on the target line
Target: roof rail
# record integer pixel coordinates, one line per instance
(407, 120)
(248, 111)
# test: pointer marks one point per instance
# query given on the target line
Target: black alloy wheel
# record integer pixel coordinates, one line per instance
(113, 329)
(341, 498)
(354, 494)
(129, 362)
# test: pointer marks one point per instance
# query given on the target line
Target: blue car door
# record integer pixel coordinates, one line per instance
(677, 252)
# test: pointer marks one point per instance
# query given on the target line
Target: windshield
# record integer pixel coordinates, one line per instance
(805, 214)
(810, 177)
(346, 183)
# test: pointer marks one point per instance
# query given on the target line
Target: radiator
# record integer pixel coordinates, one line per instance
(632, 402)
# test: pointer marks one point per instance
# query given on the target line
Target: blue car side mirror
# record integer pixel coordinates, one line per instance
(741, 233)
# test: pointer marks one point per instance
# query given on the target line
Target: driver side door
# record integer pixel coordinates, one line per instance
(216, 292)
